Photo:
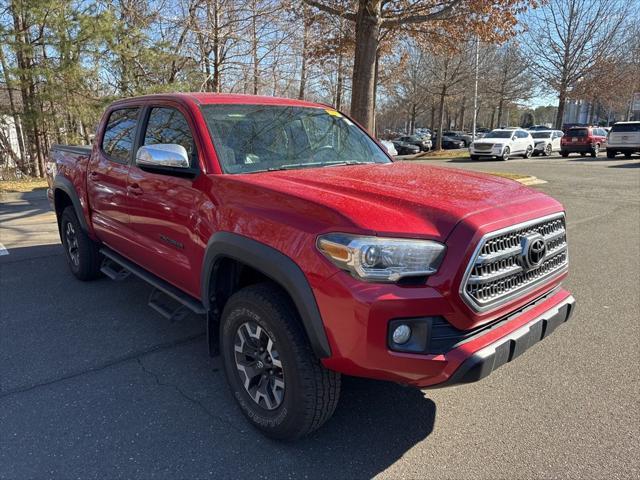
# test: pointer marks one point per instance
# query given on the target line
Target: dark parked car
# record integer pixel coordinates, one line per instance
(404, 148)
(449, 143)
(422, 143)
(465, 137)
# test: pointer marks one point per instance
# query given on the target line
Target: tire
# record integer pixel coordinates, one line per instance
(474, 157)
(505, 154)
(611, 153)
(535, 154)
(299, 394)
(548, 150)
(82, 253)
(564, 154)
(627, 155)
(594, 151)
(528, 152)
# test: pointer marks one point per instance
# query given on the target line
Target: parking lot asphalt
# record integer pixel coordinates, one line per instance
(94, 384)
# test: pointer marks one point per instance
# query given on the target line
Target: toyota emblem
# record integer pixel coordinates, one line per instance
(534, 249)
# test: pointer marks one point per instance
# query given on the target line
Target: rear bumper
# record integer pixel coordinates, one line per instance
(489, 358)
(576, 148)
(624, 148)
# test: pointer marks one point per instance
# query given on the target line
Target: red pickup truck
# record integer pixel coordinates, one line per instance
(307, 250)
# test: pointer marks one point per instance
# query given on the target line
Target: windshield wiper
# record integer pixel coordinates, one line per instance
(346, 162)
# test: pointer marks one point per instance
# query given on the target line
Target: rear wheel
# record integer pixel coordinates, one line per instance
(611, 153)
(505, 154)
(83, 256)
(627, 155)
(548, 150)
(278, 382)
(564, 154)
(595, 150)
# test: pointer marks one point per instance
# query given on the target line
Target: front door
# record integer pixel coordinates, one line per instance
(107, 174)
(163, 207)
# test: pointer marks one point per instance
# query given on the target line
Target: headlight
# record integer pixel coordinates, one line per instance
(376, 259)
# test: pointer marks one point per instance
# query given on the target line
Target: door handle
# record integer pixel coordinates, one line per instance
(135, 189)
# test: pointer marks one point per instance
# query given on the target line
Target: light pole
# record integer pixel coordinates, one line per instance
(475, 90)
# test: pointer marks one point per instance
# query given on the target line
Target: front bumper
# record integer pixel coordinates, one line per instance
(506, 349)
(539, 147)
(357, 318)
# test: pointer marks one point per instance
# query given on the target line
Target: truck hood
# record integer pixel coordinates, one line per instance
(398, 198)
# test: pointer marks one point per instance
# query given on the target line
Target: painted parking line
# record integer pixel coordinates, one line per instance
(3, 251)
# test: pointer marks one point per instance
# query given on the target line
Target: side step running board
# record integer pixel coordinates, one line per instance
(176, 294)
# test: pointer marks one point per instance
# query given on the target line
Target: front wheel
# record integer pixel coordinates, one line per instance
(278, 382)
(528, 152)
(83, 256)
(505, 154)
(547, 150)
(611, 153)
(475, 157)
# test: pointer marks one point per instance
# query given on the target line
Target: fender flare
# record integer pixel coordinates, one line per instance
(64, 184)
(275, 265)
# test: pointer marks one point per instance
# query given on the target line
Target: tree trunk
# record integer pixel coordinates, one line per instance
(412, 123)
(500, 110)
(305, 47)
(254, 49)
(462, 112)
(562, 96)
(339, 83)
(367, 34)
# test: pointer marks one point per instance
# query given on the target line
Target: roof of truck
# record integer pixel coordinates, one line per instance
(205, 98)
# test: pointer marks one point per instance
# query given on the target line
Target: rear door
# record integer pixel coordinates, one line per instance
(107, 177)
(164, 206)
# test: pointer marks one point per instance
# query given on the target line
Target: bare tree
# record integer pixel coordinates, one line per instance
(568, 39)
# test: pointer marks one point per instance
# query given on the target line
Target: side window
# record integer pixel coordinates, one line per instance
(168, 125)
(119, 134)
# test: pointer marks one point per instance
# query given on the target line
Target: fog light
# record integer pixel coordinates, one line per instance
(401, 334)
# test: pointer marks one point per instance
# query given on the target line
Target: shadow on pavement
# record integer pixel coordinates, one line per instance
(95, 383)
(626, 165)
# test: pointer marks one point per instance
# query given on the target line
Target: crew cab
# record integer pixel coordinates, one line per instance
(583, 140)
(502, 143)
(307, 251)
(624, 137)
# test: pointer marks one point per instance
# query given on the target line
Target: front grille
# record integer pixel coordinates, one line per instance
(482, 148)
(499, 270)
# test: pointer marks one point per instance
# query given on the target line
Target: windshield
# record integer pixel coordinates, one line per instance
(498, 134)
(257, 138)
(541, 134)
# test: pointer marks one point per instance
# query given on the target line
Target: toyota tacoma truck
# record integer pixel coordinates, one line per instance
(308, 252)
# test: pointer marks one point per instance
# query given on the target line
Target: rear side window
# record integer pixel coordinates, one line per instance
(626, 127)
(120, 133)
(168, 125)
(578, 132)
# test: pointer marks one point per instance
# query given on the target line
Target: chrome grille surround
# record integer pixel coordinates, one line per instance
(497, 274)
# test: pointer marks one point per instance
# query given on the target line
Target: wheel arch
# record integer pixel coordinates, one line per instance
(226, 250)
(64, 194)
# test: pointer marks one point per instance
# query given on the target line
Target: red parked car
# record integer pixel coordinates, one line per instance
(307, 250)
(583, 140)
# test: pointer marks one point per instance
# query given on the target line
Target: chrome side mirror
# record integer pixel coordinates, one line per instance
(163, 155)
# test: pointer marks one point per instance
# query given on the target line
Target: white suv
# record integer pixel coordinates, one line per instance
(624, 137)
(502, 144)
